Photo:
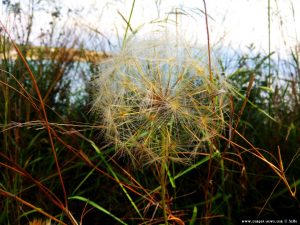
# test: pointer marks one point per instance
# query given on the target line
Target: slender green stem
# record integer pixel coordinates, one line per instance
(115, 176)
(128, 23)
(163, 193)
(163, 172)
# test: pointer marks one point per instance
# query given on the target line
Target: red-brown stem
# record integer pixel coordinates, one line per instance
(5, 193)
(208, 205)
(44, 114)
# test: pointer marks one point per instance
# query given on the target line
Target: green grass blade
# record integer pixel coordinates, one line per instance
(296, 185)
(85, 178)
(205, 159)
(171, 178)
(194, 216)
(100, 208)
(128, 23)
(116, 177)
(25, 214)
(255, 106)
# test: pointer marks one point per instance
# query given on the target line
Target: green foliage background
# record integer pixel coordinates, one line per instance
(85, 184)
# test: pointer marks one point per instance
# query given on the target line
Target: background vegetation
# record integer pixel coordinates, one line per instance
(56, 164)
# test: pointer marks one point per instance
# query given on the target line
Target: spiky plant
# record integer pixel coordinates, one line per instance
(157, 101)
(40, 222)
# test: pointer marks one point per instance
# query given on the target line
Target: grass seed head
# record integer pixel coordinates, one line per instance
(157, 101)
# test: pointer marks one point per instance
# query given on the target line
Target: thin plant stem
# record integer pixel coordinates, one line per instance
(5, 135)
(269, 55)
(208, 206)
(208, 42)
(269, 43)
(128, 23)
(163, 193)
(8, 194)
(163, 174)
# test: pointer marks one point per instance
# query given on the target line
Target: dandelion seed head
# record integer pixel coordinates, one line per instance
(157, 95)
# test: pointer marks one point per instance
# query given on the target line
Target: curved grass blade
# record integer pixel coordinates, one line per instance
(194, 216)
(94, 204)
(255, 106)
(205, 159)
(171, 178)
(115, 176)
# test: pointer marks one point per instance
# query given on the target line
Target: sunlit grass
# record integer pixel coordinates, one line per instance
(194, 150)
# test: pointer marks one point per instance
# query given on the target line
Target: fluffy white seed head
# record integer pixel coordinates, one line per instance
(156, 101)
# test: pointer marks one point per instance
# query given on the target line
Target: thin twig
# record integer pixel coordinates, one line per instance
(208, 42)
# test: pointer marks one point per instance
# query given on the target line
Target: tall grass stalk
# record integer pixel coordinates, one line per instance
(208, 41)
(128, 23)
